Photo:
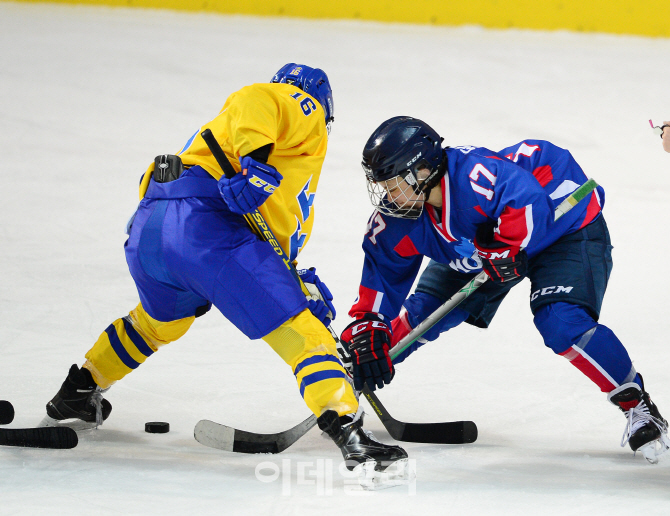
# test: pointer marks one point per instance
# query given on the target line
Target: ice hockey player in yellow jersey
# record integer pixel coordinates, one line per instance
(189, 247)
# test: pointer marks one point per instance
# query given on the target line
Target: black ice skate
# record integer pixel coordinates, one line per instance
(78, 398)
(646, 429)
(377, 464)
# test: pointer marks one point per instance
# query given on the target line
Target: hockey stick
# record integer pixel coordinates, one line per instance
(454, 432)
(481, 278)
(255, 219)
(57, 438)
(6, 412)
(223, 437)
(227, 438)
(444, 432)
(231, 439)
(447, 432)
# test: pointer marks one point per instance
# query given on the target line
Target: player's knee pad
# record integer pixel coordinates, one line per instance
(128, 342)
(159, 333)
(305, 344)
(562, 325)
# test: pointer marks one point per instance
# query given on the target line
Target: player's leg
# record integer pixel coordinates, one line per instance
(121, 348)
(165, 313)
(128, 342)
(437, 284)
(571, 332)
(568, 283)
(256, 292)
(308, 347)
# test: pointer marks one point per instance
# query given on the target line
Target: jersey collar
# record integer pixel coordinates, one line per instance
(442, 223)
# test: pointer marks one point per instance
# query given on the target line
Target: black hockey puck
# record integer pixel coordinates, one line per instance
(157, 427)
(6, 412)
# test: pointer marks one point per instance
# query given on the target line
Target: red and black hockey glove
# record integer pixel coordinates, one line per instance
(369, 341)
(501, 261)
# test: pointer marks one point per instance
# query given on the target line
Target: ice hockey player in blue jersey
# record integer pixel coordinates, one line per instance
(468, 208)
(190, 247)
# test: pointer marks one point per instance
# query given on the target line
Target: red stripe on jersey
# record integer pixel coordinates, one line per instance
(442, 226)
(479, 210)
(399, 328)
(365, 303)
(512, 225)
(406, 247)
(543, 175)
(592, 210)
(585, 366)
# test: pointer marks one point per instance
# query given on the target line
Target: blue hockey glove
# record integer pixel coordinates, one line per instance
(320, 300)
(369, 342)
(250, 188)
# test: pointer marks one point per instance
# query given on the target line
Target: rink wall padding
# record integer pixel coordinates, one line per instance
(637, 17)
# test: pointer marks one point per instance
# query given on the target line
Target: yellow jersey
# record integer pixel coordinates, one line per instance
(294, 123)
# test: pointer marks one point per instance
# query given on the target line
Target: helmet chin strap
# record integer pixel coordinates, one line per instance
(433, 179)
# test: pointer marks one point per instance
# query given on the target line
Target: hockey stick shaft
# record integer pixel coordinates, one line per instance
(481, 278)
(255, 219)
(257, 223)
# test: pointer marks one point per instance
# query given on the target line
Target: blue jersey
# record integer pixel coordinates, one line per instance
(517, 188)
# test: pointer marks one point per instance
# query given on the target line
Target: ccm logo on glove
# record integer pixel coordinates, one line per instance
(500, 260)
(259, 183)
(248, 190)
(369, 342)
(358, 328)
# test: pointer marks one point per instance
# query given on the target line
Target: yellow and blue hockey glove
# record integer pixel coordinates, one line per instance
(249, 189)
(320, 300)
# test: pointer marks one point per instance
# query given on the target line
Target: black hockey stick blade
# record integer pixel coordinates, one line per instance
(226, 438)
(57, 438)
(6, 412)
(448, 432)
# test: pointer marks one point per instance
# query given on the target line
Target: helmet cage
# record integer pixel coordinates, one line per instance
(408, 185)
(392, 157)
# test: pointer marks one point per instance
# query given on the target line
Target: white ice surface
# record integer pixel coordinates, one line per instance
(88, 96)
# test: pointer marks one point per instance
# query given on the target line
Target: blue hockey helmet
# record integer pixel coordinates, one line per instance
(392, 157)
(310, 80)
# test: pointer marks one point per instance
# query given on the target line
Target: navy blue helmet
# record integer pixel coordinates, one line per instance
(392, 157)
(310, 80)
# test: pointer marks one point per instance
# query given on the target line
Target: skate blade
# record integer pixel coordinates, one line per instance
(76, 424)
(656, 451)
(397, 474)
